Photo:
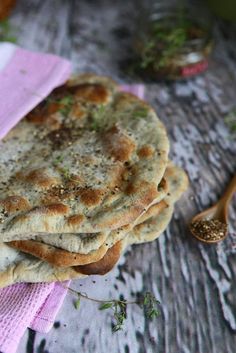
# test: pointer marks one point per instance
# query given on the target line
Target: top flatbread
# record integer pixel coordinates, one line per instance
(87, 159)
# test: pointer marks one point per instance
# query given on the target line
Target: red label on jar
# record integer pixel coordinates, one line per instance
(194, 69)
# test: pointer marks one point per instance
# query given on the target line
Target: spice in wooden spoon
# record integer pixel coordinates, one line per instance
(210, 226)
(211, 230)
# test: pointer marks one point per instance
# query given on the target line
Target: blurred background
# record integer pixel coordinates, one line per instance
(133, 40)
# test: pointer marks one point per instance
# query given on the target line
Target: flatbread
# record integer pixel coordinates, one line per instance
(58, 257)
(177, 181)
(150, 229)
(16, 266)
(86, 160)
(104, 265)
(143, 233)
(82, 243)
(62, 258)
(159, 217)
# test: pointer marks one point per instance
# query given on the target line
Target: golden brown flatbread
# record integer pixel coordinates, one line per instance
(88, 159)
(16, 266)
(57, 257)
(178, 182)
(104, 265)
(62, 258)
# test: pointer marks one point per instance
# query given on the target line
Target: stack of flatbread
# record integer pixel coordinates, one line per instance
(84, 175)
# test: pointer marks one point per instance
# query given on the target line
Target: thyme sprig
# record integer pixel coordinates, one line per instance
(119, 306)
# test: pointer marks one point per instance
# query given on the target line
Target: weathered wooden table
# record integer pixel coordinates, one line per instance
(196, 284)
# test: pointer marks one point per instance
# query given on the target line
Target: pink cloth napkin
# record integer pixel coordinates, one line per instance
(25, 79)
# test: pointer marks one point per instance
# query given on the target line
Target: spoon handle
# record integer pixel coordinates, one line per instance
(230, 190)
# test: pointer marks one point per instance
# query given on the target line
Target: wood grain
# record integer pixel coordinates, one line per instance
(195, 283)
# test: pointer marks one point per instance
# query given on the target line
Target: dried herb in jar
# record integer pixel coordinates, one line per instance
(173, 44)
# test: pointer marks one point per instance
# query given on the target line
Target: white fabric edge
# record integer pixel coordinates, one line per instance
(6, 52)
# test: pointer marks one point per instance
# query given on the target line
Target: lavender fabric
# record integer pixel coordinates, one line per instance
(26, 78)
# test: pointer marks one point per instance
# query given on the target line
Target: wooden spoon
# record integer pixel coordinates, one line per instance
(218, 212)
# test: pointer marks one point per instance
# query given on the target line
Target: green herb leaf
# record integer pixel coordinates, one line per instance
(66, 173)
(11, 39)
(77, 303)
(6, 32)
(141, 113)
(67, 104)
(146, 300)
(151, 304)
(153, 313)
(58, 160)
(66, 100)
(119, 315)
(230, 120)
(106, 306)
(98, 118)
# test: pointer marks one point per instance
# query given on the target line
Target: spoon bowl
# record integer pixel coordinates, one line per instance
(217, 213)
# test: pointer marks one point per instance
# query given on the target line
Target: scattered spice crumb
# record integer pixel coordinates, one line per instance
(152, 339)
(57, 324)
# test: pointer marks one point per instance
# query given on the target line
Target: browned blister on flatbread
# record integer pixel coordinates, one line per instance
(104, 265)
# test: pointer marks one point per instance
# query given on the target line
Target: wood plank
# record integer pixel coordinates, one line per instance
(194, 283)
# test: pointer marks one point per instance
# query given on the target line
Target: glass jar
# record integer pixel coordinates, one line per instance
(171, 43)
